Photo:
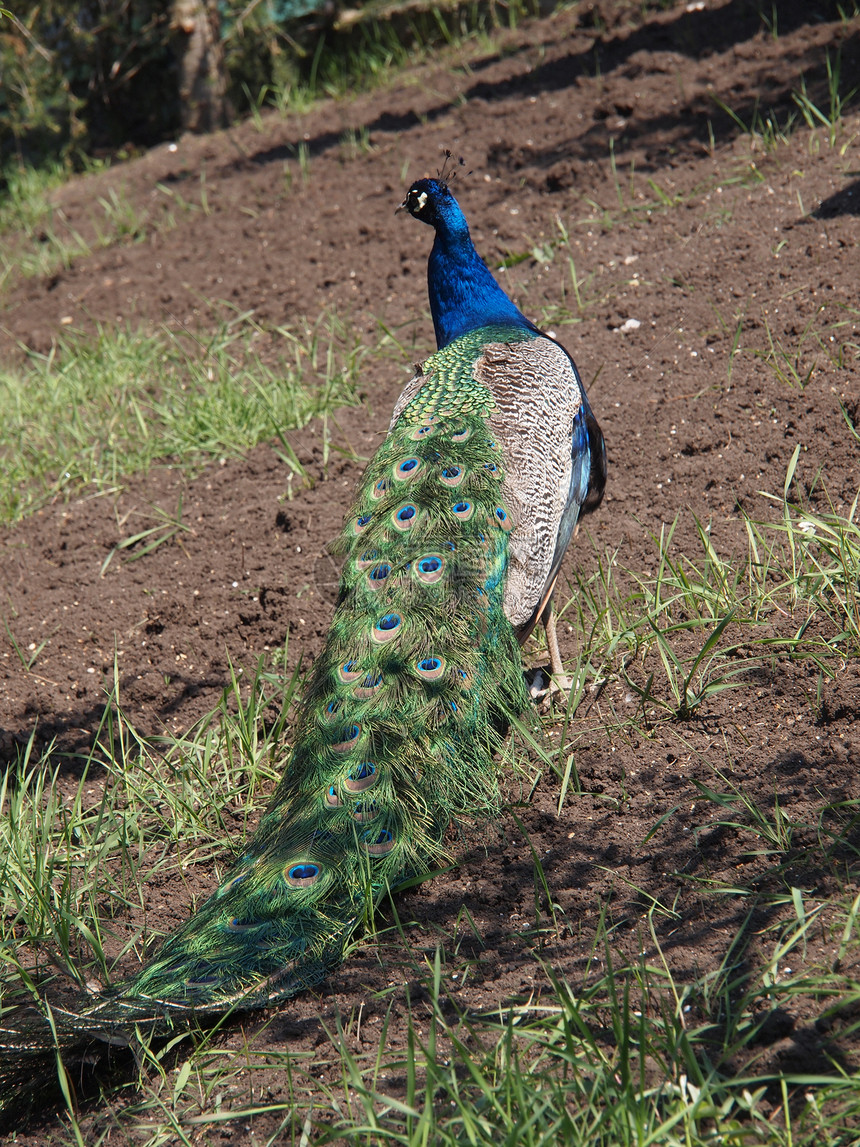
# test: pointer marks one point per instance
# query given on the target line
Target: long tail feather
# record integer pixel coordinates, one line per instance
(396, 738)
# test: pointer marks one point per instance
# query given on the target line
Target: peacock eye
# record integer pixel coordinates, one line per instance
(387, 628)
(302, 875)
(452, 476)
(429, 569)
(430, 668)
(368, 686)
(361, 778)
(365, 812)
(503, 519)
(378, 843)
(349, 737)
(244, 924)
(405, 517)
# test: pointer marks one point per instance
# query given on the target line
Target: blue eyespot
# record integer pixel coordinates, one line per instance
(365, 812)
(243, 924)
(408, 465)
(303, 875)
(364, 519)
(452, 472)
(380, 573)
(386, 629)
(303, 871)
(368, 686)
(405, 513)
(430, 668)
(349, 737)
(429, 569)
(378, 843)
(504, 519)
(361, 778)
(461, 507)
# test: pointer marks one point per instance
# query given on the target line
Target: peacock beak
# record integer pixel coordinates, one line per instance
(402, 207)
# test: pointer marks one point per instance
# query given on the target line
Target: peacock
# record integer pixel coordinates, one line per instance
(450, 555)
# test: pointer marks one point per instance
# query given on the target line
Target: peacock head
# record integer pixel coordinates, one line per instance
(431, 201)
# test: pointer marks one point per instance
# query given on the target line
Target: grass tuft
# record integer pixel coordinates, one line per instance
(95, 411)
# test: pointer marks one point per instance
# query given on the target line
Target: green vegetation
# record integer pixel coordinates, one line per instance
(355, 53)
(73, 84)
(39, 239)
(705, 624)
(621, 1052)
(94, 412)
(827, 343)
(767, 130)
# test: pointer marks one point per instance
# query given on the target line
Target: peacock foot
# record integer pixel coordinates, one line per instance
(545, 688)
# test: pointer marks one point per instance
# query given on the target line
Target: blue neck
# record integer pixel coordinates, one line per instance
(463, 293)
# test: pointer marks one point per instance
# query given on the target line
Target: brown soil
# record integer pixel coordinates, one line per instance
(764, 240)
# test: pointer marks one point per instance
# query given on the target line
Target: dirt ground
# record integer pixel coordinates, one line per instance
(700, 244)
